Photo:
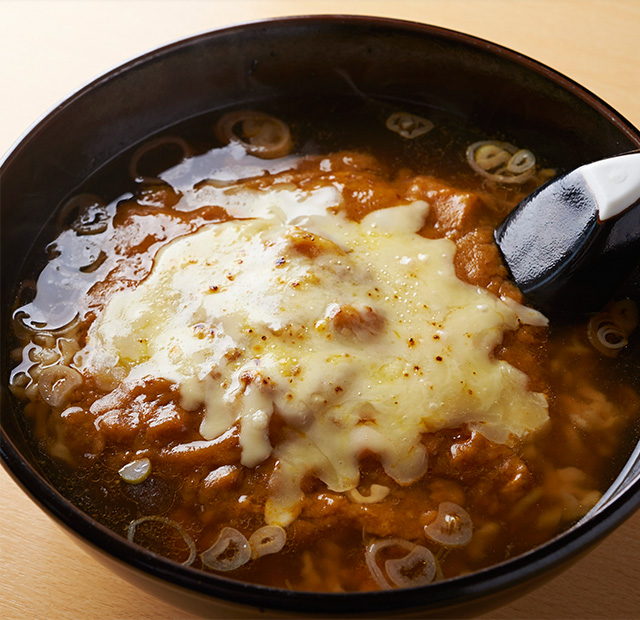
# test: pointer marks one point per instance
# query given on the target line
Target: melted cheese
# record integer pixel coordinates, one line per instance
(359, 335)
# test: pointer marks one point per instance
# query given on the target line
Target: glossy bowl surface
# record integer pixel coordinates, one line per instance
(496, 89)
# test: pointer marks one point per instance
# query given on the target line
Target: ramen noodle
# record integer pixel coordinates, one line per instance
(308, 368)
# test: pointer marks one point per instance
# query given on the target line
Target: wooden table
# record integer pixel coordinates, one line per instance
(49, 48)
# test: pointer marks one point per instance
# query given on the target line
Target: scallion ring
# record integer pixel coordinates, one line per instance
(230, 551)
(131, 531)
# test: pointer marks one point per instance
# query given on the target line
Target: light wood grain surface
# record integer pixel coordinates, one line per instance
(49, 48)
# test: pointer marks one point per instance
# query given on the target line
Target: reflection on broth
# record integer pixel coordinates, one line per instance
(288, 352)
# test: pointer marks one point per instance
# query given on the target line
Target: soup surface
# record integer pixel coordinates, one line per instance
(284, 348)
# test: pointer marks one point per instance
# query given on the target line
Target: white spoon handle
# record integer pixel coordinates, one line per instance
(614, 182)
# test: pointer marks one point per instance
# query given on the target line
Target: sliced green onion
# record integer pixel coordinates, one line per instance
(609, 330)
(409, 126)
(452, 527)
(229, 552)
(259, 134)
(416, 568)
(131, 531)
(490, 156)
(501, 162)
(154, 145)
(521, 161)
(266, 540)
(136, 472)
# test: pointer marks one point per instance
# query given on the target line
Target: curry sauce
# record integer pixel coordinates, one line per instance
(329, 437)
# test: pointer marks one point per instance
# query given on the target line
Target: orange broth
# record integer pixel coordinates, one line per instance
(517, 494)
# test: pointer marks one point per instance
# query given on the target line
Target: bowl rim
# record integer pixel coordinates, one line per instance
(480, 584)
(587, 96)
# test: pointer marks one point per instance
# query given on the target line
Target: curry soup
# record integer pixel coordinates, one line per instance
(281, 346)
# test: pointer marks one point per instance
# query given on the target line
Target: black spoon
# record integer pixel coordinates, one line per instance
(574, 241)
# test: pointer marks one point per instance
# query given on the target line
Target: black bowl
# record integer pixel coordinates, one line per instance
(493, 87)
